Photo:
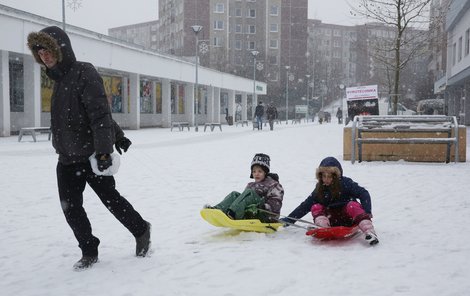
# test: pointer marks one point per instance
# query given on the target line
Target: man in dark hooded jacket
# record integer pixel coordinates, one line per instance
(81, 125)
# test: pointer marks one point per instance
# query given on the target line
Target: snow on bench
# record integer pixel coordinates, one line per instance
(33, 130)
(397, 126)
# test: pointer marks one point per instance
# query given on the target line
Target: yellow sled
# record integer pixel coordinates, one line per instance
(218, 218)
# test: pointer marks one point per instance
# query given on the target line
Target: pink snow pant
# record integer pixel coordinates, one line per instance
(351, 214)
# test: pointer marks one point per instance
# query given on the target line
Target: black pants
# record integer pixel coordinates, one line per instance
(71, 180)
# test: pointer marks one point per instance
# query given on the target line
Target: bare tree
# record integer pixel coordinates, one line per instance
(409, 22)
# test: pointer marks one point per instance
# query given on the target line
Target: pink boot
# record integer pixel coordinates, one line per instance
(368, 229)
(322, 221)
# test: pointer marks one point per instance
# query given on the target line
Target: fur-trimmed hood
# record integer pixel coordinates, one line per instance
(57, 42)
(329, 165)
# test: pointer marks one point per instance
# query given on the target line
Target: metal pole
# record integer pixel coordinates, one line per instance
(308, 86)
(196, 95)
(287, 96)
(253, 102)
(63, 15)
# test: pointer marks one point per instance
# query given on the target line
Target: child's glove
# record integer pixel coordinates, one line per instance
(286, 221)
(322, 221)
(123, 144)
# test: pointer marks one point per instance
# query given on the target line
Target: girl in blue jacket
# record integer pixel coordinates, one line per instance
(338, 201)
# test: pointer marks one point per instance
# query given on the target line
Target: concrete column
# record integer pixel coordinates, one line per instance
(166, 103)
(134, 91)
(217, 105)
(5, 128)
(467, 103)
(231, 104)
(210, 104)
(189, 100)
(153, 96)
(125, 95)
(244, 106)
(32, 92)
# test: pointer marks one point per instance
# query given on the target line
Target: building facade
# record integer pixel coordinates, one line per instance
(144, 34)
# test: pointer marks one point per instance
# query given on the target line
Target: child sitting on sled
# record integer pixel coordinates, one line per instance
(265, 193)
(333, 202)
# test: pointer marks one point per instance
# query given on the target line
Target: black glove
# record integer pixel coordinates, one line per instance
(286, 221)
(104, 161)
(123, 144)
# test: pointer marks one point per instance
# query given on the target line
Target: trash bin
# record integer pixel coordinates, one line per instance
(230, 120)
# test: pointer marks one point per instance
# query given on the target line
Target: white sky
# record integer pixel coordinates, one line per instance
(100, 15)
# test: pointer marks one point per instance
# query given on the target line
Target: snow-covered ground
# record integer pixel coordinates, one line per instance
(421, 213)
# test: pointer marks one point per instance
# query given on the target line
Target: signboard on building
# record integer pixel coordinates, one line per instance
(361, 92)
(362, 100)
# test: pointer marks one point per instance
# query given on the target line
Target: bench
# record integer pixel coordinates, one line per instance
(33, 130)
(296, 120)
(212, 125)
(242, 122)
(405, 129)
(179, 125)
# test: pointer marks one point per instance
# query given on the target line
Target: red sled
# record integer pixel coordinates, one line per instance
(336, 232)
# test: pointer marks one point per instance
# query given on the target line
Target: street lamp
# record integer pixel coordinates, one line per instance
(287, 94)
(196, 30)
(308, 86)
(253, 103)
(342, 86)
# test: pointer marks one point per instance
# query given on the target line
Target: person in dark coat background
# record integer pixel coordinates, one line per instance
(334, 201)
(259, 113)
(82, 125)
(271, 113)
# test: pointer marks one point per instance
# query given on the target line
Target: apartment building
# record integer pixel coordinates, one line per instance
(233, 29)
(144, 34)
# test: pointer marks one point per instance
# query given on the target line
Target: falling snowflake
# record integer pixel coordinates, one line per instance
(74, 4)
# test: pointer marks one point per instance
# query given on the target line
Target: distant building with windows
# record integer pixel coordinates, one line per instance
(145, 34)
(454, 85)
(232, 29)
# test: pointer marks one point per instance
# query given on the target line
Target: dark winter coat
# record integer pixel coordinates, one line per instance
(81, 121)
(350, 191)
(259, 111)
(271, 191)
(271, 112)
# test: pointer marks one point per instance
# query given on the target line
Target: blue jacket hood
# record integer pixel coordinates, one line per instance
(330, 161)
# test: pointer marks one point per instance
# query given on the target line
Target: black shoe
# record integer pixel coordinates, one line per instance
(143, 242)
(85, 262)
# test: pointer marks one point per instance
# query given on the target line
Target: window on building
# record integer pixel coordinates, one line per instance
(238, 12)
(251, 45)
(238, 28)
(273, 60)
(238, 44)
(274, 10)
(467, 42)
(218, 25)
(219, 8)
(336, 33)
(273, 28)
(460, 49)
(251, 29)
(218, 41)
(273, 43)
(273, 76)
(336, 43)
(16, 85)
(454, 53)
(251, 12)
